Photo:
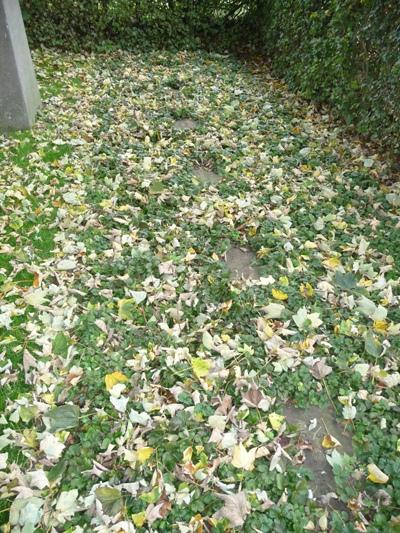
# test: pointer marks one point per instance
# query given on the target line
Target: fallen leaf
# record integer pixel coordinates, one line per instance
(329, 442)
(143, 454)
(114, 379)
(279, 295)
(139, 518)
(376, 475)
(242, 458)
(236, 508)
(201, 367)
(66, 505)
(126, 308)
(67, 264)
(320, 370)
(51, 447)
(254, 397)
(110, 499)
(63, 417)
(36, 297)
(208, 341)
(276, 421)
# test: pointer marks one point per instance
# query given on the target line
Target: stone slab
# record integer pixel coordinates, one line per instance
(206, 176)
(19, 93)
(240, 262)
(185, 124)
(315, 459)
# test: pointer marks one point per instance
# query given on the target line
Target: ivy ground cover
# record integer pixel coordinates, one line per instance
(199, 320)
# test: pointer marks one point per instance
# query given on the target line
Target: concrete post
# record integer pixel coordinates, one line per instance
(19, 93)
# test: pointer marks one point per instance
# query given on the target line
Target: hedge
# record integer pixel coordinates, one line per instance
(129, 23)
(344, 52)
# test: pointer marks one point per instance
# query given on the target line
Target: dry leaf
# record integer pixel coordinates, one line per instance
(329, 441)
(376, 475)
(235, 508)
(320, 370)
(243, 458)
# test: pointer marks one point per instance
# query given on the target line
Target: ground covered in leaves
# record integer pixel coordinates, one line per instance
(199, 319)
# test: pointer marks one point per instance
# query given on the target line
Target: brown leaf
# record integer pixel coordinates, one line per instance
(320, 370)
(235, 508)
(253, 396)
(160, 510)
(225, 405)
(36, 280)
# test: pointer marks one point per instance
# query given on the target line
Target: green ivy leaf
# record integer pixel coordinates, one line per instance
(372, 346)
(60, 344)
(151, 497)
(57, 471)
(110, 499)
(346, 281)
(63, 417)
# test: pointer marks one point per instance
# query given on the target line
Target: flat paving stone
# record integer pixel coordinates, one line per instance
(240, 262)
(206, 176)
(315, 459)
(185, 124)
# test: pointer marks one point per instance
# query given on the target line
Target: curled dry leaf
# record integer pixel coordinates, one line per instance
(236, 508)
(320, 370)
(254, 397)
(376, 475)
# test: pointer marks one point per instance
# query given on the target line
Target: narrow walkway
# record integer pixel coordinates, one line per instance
(199, 319)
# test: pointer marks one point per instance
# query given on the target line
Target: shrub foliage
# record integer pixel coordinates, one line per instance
(77, 23)
(345, 52)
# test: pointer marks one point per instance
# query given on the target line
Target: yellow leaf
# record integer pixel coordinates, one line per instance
(225, 306)
(309, 245)
(330, 442)
(126, 308)
(48, 397)
(306, 290)
(276, 421)
(143, 454)
(30, 438)
(139, 518)
(284, 280)
(243, 458)
(113, 379)
(263, 252)
(332, 262)
(365, 282)
(376, 475)
(381, 326)
(187, 454)
(279, 295)
(252, 231)
(201, 367)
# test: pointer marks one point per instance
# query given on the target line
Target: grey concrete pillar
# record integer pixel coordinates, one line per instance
(19, 93)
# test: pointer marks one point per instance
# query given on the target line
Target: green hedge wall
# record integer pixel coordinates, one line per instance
(129, 23)
(345, 52)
